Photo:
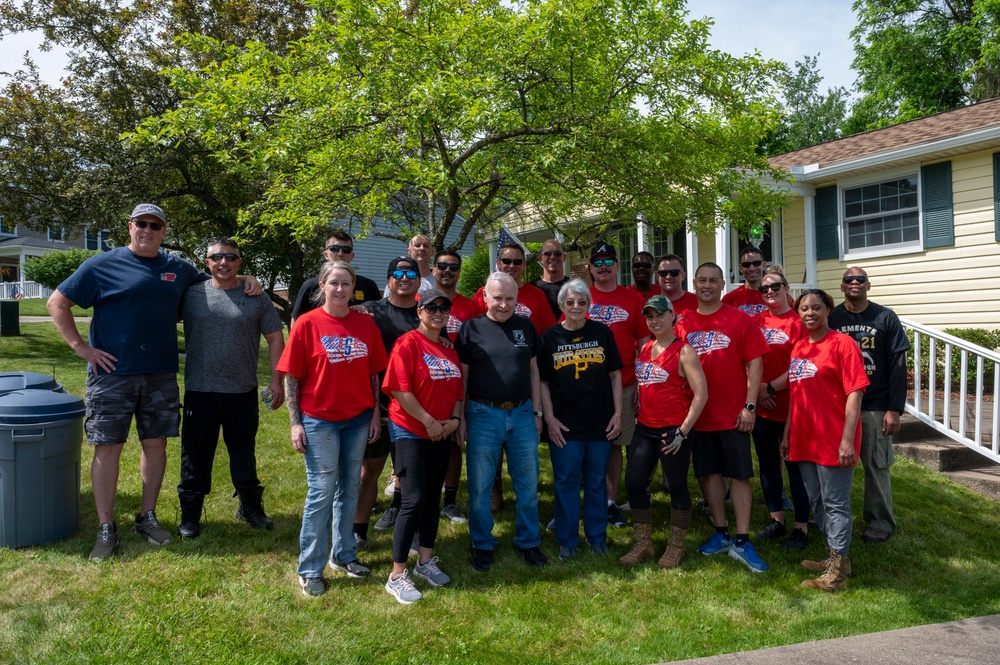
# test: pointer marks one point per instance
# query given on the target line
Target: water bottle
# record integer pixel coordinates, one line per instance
(267, 396)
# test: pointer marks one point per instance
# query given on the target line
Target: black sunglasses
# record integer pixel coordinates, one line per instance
(755, 264)
(773, 288)
(642, 265)
(860, 279)
(400, 274)
(141, 223)
(515, 262)
(673, 272)
(433, 308)
(346, 249)
(454, 267)
(229, 256)
(553, 252)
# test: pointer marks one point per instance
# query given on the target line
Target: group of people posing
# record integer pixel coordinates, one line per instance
(419, 371)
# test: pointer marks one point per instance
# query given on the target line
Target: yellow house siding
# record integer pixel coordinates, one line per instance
(794, 245)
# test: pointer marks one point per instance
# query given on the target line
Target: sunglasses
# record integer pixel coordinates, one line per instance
(400, 274)
(515, 262)
(141, 223)
(454, 267)
(434, 309)
(673, 272)
(755, 264)
(229, 256)
(607, 263)
(860, 279)
(346, 249)
(555, 253)
(773, 288)
(642, 265)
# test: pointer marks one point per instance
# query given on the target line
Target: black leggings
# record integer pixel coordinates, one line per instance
(421, 466)
(643, 455)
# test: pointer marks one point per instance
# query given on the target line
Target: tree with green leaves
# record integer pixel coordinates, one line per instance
(809, 117)
(53, 268)
(443, 114)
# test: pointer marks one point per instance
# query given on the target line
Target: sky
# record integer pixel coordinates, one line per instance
(784, 30)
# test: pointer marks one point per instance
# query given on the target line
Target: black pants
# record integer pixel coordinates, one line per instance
(421, 466)
(643, 454)
(767, 441)
(204, 414)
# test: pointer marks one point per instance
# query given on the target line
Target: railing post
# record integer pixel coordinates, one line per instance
(917, 371)
(932, 378)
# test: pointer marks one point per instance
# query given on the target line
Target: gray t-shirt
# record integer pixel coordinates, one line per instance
(222, 330)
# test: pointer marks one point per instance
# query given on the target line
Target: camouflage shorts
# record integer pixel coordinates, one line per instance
(113, 399)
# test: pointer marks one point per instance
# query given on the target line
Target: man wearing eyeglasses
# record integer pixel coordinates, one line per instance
(420, 250)
(621, 310)
(883, 343)
(642, 275)
(531, 301)
(340, 247)
(131, 355)
(552, 259)
(671, 277)
(222, 331)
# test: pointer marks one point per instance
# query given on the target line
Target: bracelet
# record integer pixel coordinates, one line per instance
(456, 419)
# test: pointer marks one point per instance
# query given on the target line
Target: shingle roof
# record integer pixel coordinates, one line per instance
(922, 130)
(14, 241)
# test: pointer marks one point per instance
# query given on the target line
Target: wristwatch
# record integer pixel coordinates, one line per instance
(539, 414)
(770, 389)
(750, 407)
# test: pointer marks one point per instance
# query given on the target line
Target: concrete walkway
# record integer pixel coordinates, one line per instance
(957, 642)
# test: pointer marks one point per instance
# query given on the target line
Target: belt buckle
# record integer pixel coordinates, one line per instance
(506, 406)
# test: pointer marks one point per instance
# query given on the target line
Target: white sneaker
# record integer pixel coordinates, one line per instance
(402, 589)
(390, 488)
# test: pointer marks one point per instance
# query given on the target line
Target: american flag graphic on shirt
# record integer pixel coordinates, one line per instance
(441, 368)
(774, 335)
(753, 310)
(649, 373)
(453, 325)
(522, 310)
(706, 341)
(608, 314)
(343, 349)
(801, 368)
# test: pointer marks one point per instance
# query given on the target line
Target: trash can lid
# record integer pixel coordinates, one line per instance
(25, 380)
(27, 407)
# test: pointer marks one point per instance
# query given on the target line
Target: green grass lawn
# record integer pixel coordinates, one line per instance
(36, 307)
(231, 595)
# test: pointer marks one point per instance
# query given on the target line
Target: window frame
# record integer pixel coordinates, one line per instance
(61, 234)
(879, 178)
(12, 233)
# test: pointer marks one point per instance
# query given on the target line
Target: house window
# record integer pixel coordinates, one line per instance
(5, 228)
(56, 233)
(98, 240)
(883, 215)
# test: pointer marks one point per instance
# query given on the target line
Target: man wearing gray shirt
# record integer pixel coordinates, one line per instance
(222, 329)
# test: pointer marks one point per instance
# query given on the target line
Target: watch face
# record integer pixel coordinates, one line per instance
(751, 407)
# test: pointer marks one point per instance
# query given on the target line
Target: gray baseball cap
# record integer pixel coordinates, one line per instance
(148, 209)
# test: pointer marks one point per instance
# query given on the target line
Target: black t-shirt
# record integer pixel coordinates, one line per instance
(365, 290)
(499, 357)
(880, 335)
(577, 365)
(551, 290)
(392, 322)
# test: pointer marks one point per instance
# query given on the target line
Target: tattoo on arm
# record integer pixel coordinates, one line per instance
(292, 399)
(375, 388)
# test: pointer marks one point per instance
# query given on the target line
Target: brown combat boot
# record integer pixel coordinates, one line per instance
(642, 550)
(820, 566)
(835, 576)
(680, 521)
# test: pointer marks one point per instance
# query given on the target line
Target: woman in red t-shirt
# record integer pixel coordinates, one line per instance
(782, 329)
(826, 380)
(424, 380)
(672, 393)
(331, 365)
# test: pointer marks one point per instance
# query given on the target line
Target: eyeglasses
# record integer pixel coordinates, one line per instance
(755, 264)
(400, 274)
(229, 256)
(860, 279)
(434, 309)
(346, 249)
(515, 262)
(773, 288)
(673, 272)
(642, 265)
(554, 252)
(454, 267)
(141, 223)
(607, 263)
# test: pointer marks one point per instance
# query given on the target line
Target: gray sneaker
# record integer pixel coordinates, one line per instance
(360, 544)
(106, 543)
(312, 586)
(388, 519)
(352, 568)
(452, 512)
(147, 526)
(402, 589)
(429, 571)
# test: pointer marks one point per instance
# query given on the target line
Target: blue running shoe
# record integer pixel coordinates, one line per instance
(748, 555)
(720, 542)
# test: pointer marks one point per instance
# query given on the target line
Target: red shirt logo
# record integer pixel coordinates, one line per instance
(168, 276)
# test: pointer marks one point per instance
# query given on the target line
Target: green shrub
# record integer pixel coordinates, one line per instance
(476, 268)
(52, 269)
(989, 339)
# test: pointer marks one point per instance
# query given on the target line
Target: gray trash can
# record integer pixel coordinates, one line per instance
(10, 381)
(41, 433)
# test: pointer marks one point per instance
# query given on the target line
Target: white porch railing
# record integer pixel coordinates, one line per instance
(10, 290)
(968, 419)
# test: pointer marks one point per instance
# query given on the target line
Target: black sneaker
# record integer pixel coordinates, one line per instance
(772, 531)
(106, 543)
(533, 556)
(482, 560)
(797, 541)
(615, 517)
(147, 526)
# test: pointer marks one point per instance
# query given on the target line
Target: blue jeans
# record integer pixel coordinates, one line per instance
(334, 451)
(591, 459)
(490, 431)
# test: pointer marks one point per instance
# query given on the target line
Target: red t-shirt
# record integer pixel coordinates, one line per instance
(532, 303)
(664, 395)
(428, 370)
(820, 376)
(750, 301)
(334, 360)
(684, 304)
(654, 290)
(462, 309)
(725, 341)
(621, 310)
(781, 333)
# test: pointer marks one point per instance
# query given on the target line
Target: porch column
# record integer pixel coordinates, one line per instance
(809, 219)
(691, 247)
